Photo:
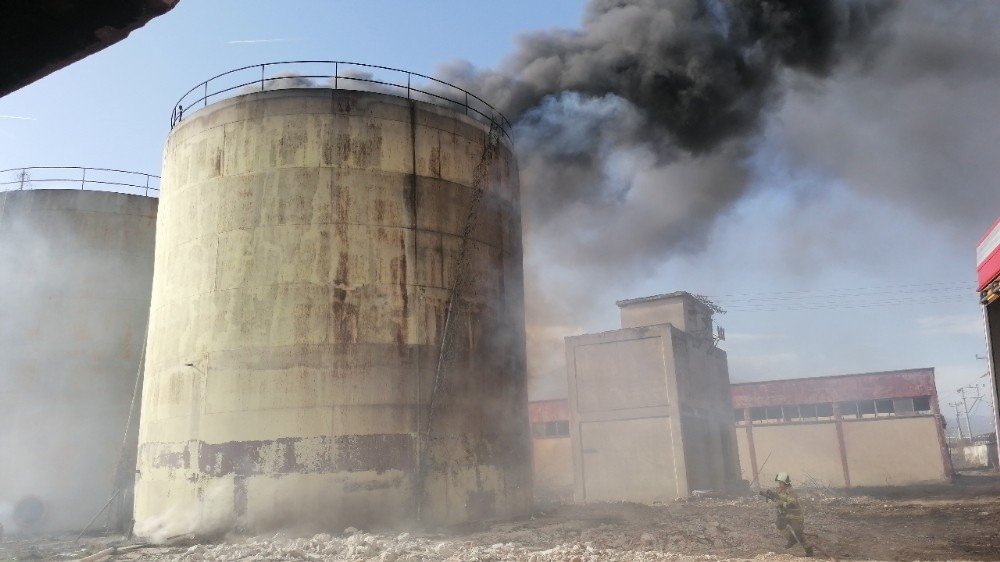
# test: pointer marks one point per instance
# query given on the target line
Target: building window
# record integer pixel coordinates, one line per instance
(866, 408)
(543, 430)
(788, 414)
(922, 405)
(773, 414)
(884, 408)
(889, 407)
(903, 406)
(849, 410)
(808, 412)
(824, 411)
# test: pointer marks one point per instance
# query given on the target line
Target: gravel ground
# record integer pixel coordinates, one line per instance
(942, 522)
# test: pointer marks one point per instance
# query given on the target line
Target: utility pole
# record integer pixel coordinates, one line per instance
(957, 418)
(965, 392)
(23, 177)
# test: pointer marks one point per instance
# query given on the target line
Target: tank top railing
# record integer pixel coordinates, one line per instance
(80, 178)
(336, 75)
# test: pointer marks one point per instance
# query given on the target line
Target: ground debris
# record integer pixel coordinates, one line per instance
(932, 523)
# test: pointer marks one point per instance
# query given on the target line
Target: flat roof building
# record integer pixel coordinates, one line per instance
(649, 406)
(869, 429)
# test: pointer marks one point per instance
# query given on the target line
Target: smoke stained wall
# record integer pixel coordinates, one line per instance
(75, 275)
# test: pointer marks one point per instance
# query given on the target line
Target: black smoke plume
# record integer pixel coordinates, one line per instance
(700, 72)
(633, 131)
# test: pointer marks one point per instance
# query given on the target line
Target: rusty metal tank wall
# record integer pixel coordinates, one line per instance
(75, 274)
(307, 242)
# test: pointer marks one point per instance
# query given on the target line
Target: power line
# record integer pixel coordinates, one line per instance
(963, 293)
(892, 287)
(854, 297)
(766, 307)
(965, 289)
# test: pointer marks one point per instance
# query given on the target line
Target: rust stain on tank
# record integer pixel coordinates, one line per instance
(379, 206)
(404, 295)
(343, 268)
(344, 104)
(301, 318)
(292, 455)
(293, 139)
(170, 459)
(342, 198)
(345, 322)
(363, 151)
(244, 458)
(435, 162)
(327, 152)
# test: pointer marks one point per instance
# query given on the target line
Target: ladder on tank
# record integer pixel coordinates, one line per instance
(446, 351)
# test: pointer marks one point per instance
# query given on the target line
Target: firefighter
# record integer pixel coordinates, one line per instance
(790, 520)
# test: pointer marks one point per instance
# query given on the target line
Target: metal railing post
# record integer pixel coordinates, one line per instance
(113, 181)
(488, 113)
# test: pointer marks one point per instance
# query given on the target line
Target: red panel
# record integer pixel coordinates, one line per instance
(821, 390)
(988, 270)
(988, 232)
(988, 266)
(548, 410)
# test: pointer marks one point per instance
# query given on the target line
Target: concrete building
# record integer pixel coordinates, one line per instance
(75, 274)
(871, 429)
(309, 243)
(650, 414)
(551, 450)
(974, 453)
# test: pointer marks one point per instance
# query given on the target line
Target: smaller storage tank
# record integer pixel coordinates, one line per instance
(75, 273)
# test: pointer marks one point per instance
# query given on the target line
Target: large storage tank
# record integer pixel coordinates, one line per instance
(76, 269)
(307, 244)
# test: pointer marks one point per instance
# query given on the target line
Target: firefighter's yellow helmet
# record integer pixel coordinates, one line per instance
(783, 477)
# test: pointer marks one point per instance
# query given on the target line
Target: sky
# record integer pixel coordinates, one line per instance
(835, 219)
